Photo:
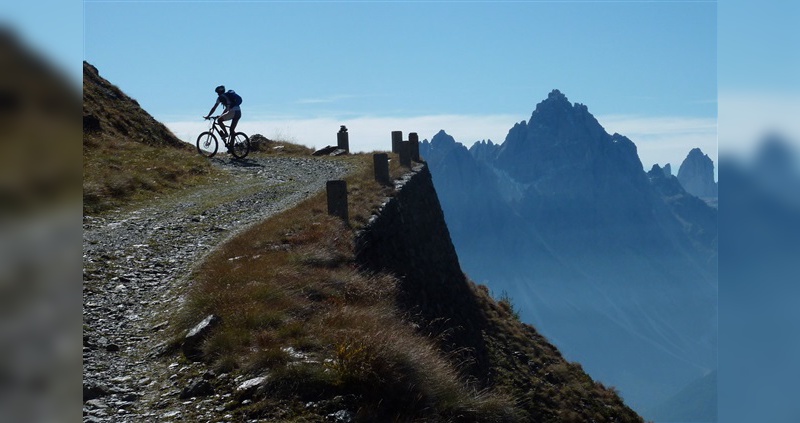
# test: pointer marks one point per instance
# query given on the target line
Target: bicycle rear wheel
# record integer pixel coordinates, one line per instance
(207, 144)
(241, 145)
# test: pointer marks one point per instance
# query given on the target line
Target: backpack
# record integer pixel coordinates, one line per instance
(233, 98)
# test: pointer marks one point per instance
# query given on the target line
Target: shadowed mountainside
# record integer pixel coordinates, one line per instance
(615, 265)
(410, 239)
(39, 131)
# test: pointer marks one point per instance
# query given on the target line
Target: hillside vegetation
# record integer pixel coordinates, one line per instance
(298, 311)
(288, 288)
(127, 154)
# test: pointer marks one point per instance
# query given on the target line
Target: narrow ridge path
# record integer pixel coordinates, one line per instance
(134, 262)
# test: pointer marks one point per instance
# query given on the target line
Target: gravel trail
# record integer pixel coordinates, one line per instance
(133, 264)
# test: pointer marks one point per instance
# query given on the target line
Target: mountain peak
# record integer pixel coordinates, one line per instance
(556, 100)
(561, 138)
(774, 155)
(109, 112)
(557, 95)
(696, 174)
(558, 105)
(442, 138)
(697, 154)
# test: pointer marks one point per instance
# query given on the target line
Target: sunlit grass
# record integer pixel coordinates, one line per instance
(117, 172)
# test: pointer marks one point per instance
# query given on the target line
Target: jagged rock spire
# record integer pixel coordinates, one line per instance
(696, 174)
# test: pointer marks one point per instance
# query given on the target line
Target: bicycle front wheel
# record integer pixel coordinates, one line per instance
(207, 144)
(241, 145)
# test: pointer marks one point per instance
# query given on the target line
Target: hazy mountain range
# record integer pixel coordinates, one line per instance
(615, 265)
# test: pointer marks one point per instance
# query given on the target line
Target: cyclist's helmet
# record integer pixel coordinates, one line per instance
(220, 89)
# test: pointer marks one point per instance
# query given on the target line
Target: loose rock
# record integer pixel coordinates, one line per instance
(196, 336)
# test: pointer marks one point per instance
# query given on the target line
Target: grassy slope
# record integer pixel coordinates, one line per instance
(292, 282)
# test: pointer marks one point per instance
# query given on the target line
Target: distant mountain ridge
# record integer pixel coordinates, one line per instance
(616, 265)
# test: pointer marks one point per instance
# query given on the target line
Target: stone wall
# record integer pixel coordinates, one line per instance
(409, 238)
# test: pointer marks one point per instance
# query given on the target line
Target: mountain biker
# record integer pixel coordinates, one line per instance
(231, 111)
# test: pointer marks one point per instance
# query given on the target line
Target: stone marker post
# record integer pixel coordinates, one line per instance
(380, 161)
(397, 138)
(337, 199)
(413, 139)
(405, 153)
(342, 139)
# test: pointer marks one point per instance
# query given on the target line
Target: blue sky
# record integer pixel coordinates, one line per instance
(645, 69)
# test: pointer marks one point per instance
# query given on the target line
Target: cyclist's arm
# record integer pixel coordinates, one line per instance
(213, 108)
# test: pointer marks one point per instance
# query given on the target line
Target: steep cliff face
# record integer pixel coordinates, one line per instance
(410, 239)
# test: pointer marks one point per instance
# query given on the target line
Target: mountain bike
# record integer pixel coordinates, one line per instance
(207, 145)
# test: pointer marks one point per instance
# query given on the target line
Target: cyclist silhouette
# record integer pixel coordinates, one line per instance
(231, 111)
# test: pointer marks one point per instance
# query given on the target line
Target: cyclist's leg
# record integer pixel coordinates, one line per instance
(228, 115)
(222, 129)
(236, 116)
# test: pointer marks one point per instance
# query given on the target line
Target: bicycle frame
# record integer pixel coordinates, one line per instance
(215, 127)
